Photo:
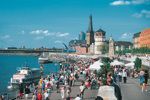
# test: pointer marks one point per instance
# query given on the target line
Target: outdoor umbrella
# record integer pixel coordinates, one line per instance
(96, 65)
(116, 63)
(130, 65)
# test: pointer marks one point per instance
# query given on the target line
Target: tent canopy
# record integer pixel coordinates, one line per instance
(116, 63)
(130, 65)
(96, 65)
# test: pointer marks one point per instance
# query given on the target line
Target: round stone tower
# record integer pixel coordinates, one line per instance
(99, 41)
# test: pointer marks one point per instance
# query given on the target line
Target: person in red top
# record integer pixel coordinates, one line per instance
(39, 96)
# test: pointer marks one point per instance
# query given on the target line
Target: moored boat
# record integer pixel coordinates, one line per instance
(25, 75)
(43, 60)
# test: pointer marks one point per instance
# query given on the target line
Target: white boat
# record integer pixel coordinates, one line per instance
(44, 60)
(25, 75)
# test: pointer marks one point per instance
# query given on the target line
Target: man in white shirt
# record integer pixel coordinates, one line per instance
(78, 97)
(82, 88)
(46, 95)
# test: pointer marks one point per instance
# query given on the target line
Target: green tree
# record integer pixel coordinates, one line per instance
(138, 63)
(105, 49)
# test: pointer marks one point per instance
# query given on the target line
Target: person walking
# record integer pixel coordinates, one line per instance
(141, 76)
(57, 86)
(68, 91)
(120, 76)
(46, 95)
(21, 90)
(146, 76)
(34, 96)
(39, 95)
(124, 75)
(82, 88)
(27, 91)
(62, 93)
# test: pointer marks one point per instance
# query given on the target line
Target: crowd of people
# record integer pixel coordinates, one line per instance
(63, 81)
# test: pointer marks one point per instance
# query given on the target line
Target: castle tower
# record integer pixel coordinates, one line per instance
(99, 41)
(90, 33)
(111, 47)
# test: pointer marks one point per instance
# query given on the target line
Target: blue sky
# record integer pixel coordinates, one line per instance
(48, 23)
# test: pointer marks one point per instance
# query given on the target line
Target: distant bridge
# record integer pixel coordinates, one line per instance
(31, 50)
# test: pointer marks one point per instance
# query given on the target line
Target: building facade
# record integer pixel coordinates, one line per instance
(80, 50)
(145, 38)
(111, 47)
(99, 41)
(122, 45)
(136, 40)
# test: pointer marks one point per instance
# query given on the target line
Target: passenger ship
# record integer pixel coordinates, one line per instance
(25, 75)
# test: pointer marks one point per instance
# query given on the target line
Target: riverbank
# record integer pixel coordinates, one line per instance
(21, 54)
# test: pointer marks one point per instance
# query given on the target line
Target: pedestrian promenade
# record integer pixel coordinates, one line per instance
(132, 91)
(88, 94)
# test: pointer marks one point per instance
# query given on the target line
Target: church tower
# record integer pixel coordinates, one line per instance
(90, 33)
(111, 47)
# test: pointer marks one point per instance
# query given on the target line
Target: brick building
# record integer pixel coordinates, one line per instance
(144, 39)
(81, 50)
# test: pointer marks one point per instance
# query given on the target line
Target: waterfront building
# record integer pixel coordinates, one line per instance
(92, 49)
(74, 43)
(82, 36)
(111, 47)
(81, 49)
(90, 33)
(122, 45)
(136, 40)
(99, 41)
(145, 38)
(94, 41)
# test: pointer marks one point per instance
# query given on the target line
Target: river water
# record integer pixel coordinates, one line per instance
(9, 64)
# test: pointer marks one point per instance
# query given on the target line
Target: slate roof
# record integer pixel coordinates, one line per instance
(102, 31)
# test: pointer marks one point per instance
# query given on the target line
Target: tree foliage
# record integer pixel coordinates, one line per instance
(138, 63)
(134, 51)
(105, 49)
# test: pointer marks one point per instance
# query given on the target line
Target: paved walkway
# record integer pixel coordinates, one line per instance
(88, 95)
(132, 91)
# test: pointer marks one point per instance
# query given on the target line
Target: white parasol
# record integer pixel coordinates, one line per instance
(130, 65)
(96, 65)
(116, 63)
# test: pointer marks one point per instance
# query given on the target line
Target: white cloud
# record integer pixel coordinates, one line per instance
(142, 13)
(45, 33)
(41, 32)
(137, 15)
(63, 34)
(129, 2)
(39, 38)
(5, 36)
(120, 2)
(126, 35)
(58, 41)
